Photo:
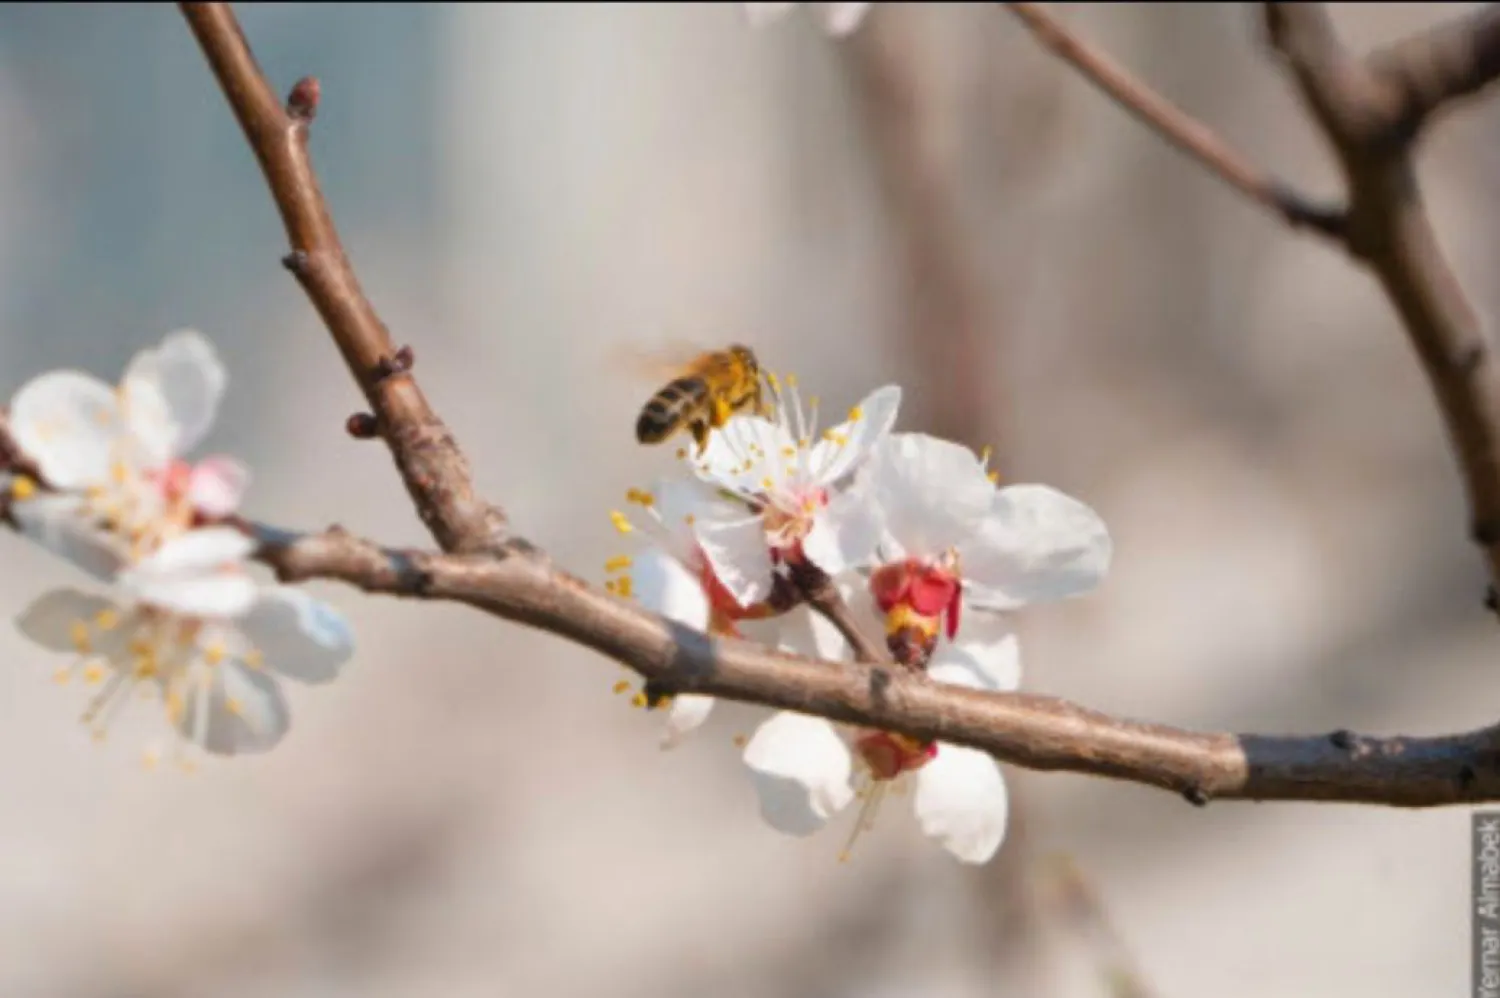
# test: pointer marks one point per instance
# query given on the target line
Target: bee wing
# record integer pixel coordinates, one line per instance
(659, 363)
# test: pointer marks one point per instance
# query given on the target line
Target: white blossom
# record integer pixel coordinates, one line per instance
(193, 631)
(953, 542)
(672, 577)
(805, 769)
(112, 458)
(793, 489)
(838, 19)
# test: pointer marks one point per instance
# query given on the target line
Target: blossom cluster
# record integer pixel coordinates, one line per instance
(101, 478)
(925, 548)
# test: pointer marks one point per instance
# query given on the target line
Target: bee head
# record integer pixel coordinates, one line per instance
(745, 356)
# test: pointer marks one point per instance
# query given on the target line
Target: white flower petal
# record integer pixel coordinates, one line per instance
(184, 373)
(933, 493)
(686, 715)
(801, 771)
(841, 19)
(985, 654)
(663, 585)
(197, 550)
(217, 484)
(211, 594)
(681, 501)
(961, 802)
(846, 533)
(761, 14)
(50, 619)
(1037, 544)
(297, 635)
(743, 453)
(245, 712)
(199, 574)
(67, 422)
(856, 440)
(55, 521)
(736, 549)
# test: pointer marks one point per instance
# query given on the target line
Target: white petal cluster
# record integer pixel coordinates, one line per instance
(110, 489)
(926, 549)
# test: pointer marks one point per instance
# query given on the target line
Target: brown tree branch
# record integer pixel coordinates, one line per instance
(435, 471)
(1435, 68)
(1371, 110)
(1176, 126)
(1037, 732)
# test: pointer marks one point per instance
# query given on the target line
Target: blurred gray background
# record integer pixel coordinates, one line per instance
(525, 189)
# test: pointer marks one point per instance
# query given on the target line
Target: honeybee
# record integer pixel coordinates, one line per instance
(705, 393)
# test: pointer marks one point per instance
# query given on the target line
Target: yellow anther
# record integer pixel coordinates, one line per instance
(621, 522)
(690, 519)
(621, 686)
(681, 453)
(145, 669)
(767, 483)
(62, 675)
(609, 586)
(813, 402)
(624, 587)
(150, 758)
(836, 437)
(788, 451)
(618, 563)
(994, 477)
(214, 653)
(774, 381)
(740, 741)
(791, 381)
(253, 659)
(93, 673)
(140, 647)
(22, 487)
(640, 497)
(175, 706)
(78, 633)
(902, 617)
(639, 700)
(804, 443)
(118, 473)
(234, 706)
(107, 620)
(856, 414)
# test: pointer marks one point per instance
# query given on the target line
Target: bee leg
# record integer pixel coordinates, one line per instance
(720, 413)
(700, 430)
(759, 401)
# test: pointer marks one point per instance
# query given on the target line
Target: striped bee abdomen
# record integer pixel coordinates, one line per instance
(670, 409)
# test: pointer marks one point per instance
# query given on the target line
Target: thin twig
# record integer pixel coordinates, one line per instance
(1368, 111)
(821, 593)
(1079, 903)
(435, 471)
(1175, 125)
